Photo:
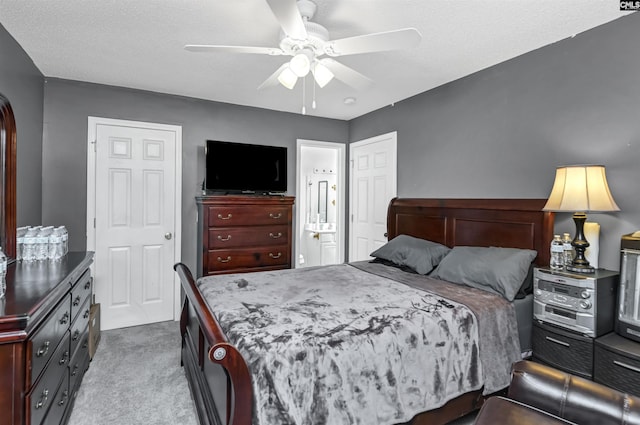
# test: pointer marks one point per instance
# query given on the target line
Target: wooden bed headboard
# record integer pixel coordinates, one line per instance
(513, 223)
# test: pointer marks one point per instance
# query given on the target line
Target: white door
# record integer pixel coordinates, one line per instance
(373, 185)
(135, 222)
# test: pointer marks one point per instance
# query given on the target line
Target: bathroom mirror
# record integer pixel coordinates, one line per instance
(322, 201)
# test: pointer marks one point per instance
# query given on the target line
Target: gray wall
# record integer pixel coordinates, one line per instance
(68, 104)
(21, 83)
(502, 132)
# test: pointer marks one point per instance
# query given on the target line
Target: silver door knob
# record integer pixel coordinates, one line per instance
(168, 236)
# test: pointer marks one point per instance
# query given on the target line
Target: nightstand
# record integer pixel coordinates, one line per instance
(570, 310)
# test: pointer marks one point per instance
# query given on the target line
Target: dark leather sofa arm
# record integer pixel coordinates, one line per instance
(562, 395)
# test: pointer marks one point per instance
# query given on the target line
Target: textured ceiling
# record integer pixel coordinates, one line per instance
(139, 44)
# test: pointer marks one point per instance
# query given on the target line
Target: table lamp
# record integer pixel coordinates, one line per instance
(580, 189)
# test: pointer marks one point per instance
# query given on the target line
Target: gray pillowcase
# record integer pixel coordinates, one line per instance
(498, 270)
(418, 254)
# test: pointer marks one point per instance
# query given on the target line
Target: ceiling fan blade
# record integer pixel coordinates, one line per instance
(207, 48)
(376, 42)
(289, 18)
(347, 75)
(273, 78)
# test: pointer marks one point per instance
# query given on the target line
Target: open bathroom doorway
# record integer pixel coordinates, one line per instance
(320, 203)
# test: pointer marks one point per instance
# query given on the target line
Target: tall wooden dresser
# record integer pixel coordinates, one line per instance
(243, 233)
(44, 339)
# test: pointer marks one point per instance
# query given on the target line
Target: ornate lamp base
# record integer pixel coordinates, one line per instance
(580, 264)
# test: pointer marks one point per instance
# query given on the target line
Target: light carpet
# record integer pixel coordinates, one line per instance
(135, 377)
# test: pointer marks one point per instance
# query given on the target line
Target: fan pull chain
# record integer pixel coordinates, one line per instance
(304, 101)
(313, 103)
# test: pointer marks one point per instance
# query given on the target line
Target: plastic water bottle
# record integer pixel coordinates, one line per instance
(20, 232)
(567, 249)
(64, 234)
(29, 244)
(557, 253)
(42, 243)
(55, 244)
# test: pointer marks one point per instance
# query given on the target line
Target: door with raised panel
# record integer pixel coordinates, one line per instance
(373, 185)
(134, 224)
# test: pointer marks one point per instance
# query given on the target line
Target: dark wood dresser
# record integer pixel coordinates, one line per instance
(44, 335)
(243, 233)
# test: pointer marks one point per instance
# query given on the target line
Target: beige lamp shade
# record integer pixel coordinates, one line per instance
(581, 188)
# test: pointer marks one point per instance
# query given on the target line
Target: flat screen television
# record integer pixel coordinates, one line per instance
(233, 167)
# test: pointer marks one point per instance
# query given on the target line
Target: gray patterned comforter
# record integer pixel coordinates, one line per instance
(349, 344)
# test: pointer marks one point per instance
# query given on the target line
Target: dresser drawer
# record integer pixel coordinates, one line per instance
(80, 292)
(231, 259)
(245, 215)
(48, 336)
(617, 363)
(234, 237)
(43, 394)
(59, 403)
(79, 362)
(80, 326)
(563, 349)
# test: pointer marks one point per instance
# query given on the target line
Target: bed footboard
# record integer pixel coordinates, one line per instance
(205, 341)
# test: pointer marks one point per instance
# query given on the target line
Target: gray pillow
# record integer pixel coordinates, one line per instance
(497, 270)
(418, 254)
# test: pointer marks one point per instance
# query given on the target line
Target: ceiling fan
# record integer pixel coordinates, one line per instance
(311, 49)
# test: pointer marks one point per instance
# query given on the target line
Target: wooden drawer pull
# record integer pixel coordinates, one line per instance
(626, 366)
(220, 238)
(65, 318)
(43, 399)
(224, 260)
(566, 344)
(276, 256)
(275, 216)
(228, 217)
(279, 235)
(42, 351)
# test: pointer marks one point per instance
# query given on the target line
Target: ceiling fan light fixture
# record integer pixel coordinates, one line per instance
(321, 74)
(300, 64)
(288, 78)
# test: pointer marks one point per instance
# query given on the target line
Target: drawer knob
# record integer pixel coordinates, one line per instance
(87, 285)
(76, 302)
(275, 256)
(224, 260)
(275, 216)
(43, 399)
(86, 314)
(65, 318)
(220, 238)
(74, 372)
(276, 236)
(43, 350)
(76, 335)
(228, 217)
